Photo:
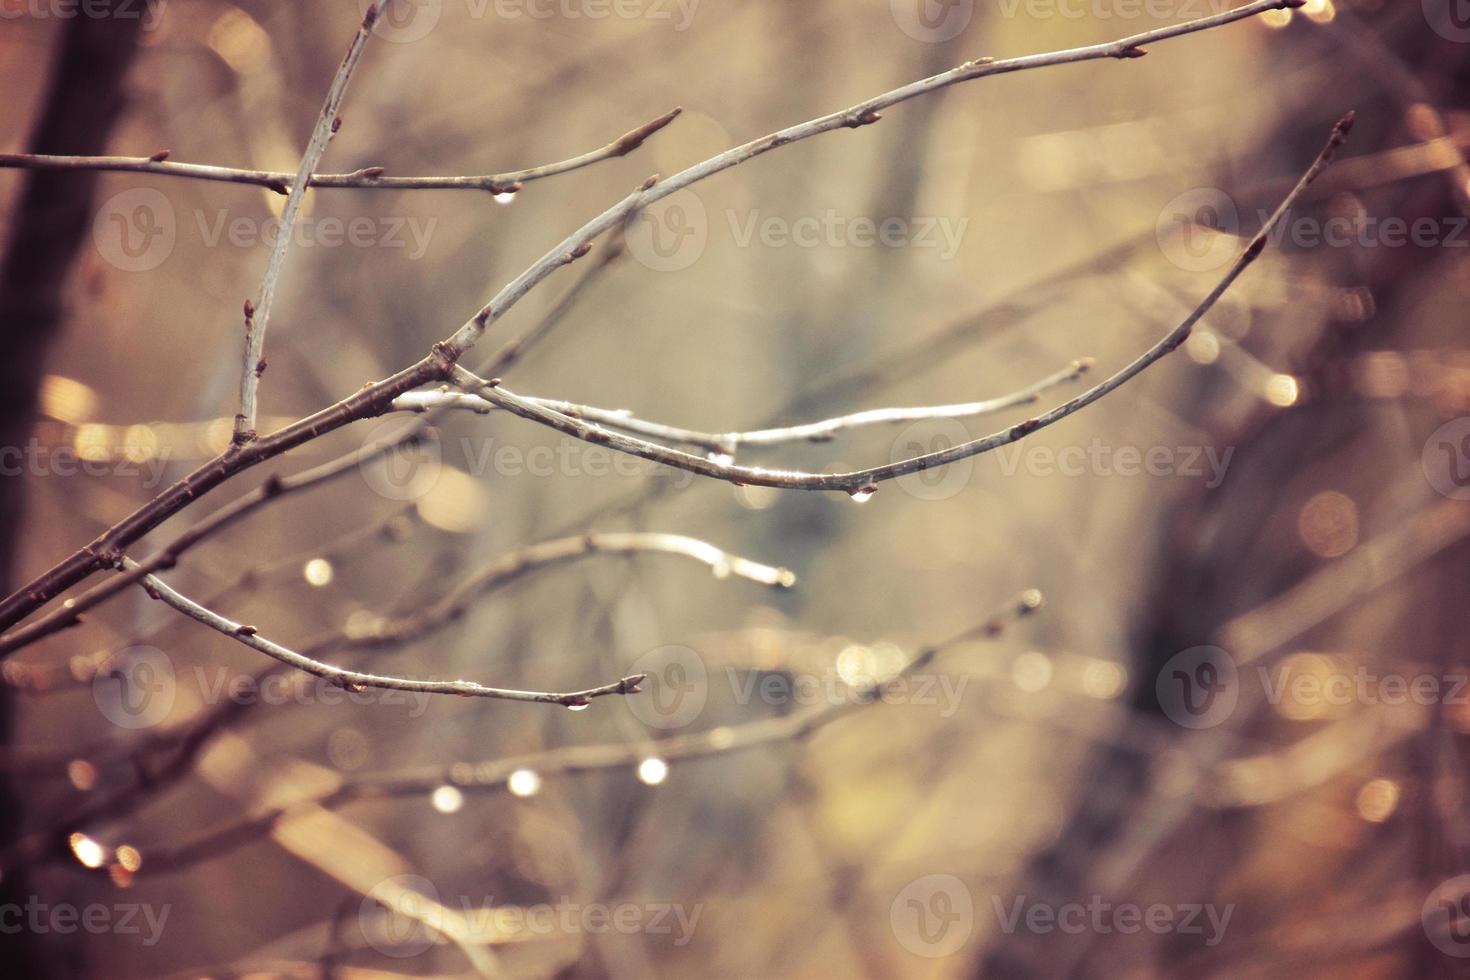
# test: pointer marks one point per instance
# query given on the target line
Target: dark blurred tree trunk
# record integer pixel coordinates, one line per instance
(1217, 563)
(83, 100)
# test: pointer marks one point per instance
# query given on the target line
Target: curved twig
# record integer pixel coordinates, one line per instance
(356, 680)
(366, 178)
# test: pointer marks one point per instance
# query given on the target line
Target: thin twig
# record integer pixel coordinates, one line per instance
(727, 443)
(257, 313)
(865, 113)
(456, 603)
(491, 775)
(373, 399)
(862, 482)
(366, 178)
(354, 680)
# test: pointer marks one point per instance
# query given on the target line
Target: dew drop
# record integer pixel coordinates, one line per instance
(862, 495)
(653, 771)
(720, 458)
(578, 707)
(721, 569)
(447, 799)
(524, 782)
(318, 572)
(87, 851)
(505, 197)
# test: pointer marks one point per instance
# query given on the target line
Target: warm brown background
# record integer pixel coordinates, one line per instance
(1058, 778)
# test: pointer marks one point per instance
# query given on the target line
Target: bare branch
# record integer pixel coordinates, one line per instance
(374, 398)
(862, 114)
(257, 314)
(728, 443)
(865, 481)
(491, 775)
(366, 178)
(454, 604)
(354, 680)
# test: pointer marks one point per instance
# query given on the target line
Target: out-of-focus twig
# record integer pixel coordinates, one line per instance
(366, 178)
(491, 775)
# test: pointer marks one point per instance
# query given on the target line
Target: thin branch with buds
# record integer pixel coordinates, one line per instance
(356, 680)
(728, 443)
(454, 604)
(365, 178)
(257, 313)
(375, 398)
(491, 775)
(183, 748)
(865, 481)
